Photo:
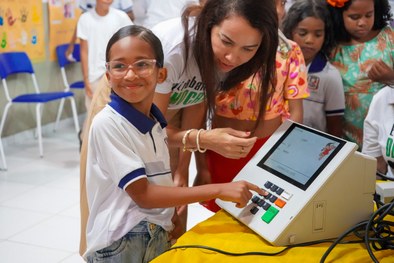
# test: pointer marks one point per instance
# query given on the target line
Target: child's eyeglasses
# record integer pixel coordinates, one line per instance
(142, 68)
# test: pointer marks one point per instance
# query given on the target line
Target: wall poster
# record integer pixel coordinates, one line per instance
(63, 18)
(22, 27)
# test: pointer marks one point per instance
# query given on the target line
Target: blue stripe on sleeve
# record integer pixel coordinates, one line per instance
(131, 176)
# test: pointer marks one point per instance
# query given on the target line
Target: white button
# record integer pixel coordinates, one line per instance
(286, 195)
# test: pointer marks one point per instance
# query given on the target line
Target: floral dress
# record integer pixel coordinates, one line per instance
(353, 63)
(242, 101)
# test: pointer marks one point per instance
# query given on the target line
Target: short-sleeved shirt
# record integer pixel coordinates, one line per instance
(184, 84)
(124, 146)
(242, 101)
(327, 97)
(379, 128)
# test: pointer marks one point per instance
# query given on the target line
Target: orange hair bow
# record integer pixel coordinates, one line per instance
(337, 3)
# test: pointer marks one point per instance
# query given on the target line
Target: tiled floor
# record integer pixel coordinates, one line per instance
(39, 199)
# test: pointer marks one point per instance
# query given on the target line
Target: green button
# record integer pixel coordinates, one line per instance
(270, 214)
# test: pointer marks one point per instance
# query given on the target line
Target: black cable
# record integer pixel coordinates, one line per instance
(251, 253)
(338, 240)
(381, 229)
(376, 232)
(384, 177)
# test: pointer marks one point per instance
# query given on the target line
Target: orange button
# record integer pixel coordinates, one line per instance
(280, 203)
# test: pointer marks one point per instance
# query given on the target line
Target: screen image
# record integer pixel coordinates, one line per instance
(300, 155)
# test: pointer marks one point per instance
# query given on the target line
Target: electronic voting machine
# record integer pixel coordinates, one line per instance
(318, 184)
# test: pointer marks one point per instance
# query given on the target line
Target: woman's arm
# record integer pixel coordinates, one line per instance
(227, 142)
(192, 117)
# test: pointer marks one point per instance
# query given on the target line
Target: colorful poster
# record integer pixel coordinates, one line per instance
(63, 18)
(22, 27)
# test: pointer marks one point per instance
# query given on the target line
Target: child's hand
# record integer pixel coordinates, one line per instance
(239, 192)
(69, 53)
(381, 72)
(178, 228)
(88, 90)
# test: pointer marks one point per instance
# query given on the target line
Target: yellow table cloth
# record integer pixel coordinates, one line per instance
(224, 232)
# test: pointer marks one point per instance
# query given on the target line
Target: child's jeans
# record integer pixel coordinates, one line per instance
(142, 244)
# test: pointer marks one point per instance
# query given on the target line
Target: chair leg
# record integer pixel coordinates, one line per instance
(39, 132)
(3, 157)
(59, 114)
(36, 131)
(75, 114)
(7, 107)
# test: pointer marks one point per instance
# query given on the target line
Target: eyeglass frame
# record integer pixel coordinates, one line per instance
(130, 67)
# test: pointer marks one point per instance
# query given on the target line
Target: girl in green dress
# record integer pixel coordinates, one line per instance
(364, 56)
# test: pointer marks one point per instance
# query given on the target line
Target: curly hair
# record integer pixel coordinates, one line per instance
(382, 18)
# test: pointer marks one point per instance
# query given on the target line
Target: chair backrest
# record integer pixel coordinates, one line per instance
(13, 63)
(61, 54)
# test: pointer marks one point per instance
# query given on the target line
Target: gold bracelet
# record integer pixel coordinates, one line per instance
(198, 142)
(184, 141)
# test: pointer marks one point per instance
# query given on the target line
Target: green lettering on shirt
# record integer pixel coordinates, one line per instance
(390, 148)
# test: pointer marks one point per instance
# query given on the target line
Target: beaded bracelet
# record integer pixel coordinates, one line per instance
(184, 141)
(198, 142)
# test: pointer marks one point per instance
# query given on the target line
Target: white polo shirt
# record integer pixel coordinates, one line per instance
(124, 146)
(379, 127)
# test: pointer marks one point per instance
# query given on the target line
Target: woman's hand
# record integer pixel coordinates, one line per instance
(228, 142)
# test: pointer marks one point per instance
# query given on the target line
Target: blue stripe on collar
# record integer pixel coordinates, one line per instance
(318, 63)
(135, 117)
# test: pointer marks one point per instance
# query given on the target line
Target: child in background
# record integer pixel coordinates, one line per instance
(95, 27)
(129, 183)
(86, 5)
(379, 131)
(308, 23)
(363, 55)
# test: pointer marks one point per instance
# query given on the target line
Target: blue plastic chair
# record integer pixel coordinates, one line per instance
(12, 63)
(63, 62)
